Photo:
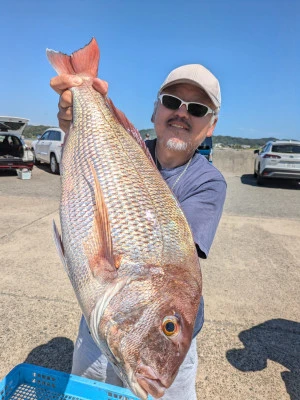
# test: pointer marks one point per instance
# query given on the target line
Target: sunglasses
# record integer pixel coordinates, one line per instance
(195, 109)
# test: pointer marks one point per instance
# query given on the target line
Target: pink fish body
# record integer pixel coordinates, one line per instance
(126, 245)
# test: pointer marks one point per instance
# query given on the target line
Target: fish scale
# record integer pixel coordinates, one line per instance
(124, 188)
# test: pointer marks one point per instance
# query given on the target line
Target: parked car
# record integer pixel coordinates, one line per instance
(278, 159)
(47, 148)
(206, 149)
(14, 153)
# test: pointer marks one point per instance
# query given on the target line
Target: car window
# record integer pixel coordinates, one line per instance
(12, 126)
(15, 141)
(54, 135)
(3, 138)
(57, 136)
(6, 139)
(206, 144)
(45, 136)
(51, 135)
(286, 148)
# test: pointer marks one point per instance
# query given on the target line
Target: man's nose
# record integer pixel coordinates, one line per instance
(182, 111)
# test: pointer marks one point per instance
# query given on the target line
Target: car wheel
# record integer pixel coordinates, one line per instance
(35, 160)
(54, 164)
(259, 180)
(297, 184)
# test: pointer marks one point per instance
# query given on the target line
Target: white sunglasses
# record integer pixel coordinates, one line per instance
(195, 109)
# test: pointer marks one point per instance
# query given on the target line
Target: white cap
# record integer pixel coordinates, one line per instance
(197, 75)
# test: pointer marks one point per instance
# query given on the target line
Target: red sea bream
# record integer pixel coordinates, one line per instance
(125, 243)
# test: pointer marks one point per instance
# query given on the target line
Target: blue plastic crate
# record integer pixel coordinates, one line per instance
(30, 382)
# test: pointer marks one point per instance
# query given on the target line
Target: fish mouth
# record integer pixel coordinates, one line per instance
(152, 386)
(149, 381)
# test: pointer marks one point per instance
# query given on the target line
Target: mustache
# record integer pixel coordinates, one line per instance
(181, 120)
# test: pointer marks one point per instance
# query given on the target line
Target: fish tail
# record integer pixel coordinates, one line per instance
(83, 61)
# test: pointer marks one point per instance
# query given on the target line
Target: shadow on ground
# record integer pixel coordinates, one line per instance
(8, 172)
(43, 167)
(277, 340)
(249, 179)
(56, 354)
(13, 172)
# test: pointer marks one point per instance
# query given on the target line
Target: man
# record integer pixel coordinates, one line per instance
(185, 113)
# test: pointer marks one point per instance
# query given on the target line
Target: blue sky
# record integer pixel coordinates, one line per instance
(252, 46)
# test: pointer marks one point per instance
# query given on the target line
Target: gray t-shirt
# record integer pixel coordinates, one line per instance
(201, 193)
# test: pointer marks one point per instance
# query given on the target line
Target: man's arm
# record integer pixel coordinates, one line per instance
(203, 209)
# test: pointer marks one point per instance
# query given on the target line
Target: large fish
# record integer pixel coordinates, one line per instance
(126, 245)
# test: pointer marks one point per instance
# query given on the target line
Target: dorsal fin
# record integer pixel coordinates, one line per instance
(130, 128)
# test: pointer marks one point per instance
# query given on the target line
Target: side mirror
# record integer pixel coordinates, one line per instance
(256, 151)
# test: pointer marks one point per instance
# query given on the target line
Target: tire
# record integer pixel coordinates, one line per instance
(259, 179)
(54, 167)
(297, 184)
(35, 160)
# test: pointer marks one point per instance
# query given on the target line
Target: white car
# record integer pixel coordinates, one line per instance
(14, 153)
(48, 147)
(278, 159)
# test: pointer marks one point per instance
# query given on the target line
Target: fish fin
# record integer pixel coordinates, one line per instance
(102, 262)
(59, 246)
(60, 62)
(86, 60)
(83, 61)
(130, 128)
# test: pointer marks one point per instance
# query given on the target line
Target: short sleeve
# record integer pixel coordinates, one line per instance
(203, 209)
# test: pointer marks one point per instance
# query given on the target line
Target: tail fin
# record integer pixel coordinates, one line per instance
(82, 61)
(85, 61)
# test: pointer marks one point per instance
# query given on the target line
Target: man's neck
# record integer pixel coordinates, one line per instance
(171, 158)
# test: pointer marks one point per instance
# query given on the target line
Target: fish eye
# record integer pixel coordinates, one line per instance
(170, 326)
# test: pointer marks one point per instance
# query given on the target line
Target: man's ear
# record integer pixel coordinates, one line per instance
(211, 128)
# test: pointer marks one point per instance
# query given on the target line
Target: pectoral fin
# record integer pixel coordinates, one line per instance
(101, 258)
(59, 246)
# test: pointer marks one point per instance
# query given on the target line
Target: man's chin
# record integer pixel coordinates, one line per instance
(176, 145)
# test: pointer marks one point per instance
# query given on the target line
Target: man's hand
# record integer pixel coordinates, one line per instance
(61, 85)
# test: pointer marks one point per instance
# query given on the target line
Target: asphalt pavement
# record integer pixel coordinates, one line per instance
(249, 347)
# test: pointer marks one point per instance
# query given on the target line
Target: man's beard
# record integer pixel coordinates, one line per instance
(176, 145)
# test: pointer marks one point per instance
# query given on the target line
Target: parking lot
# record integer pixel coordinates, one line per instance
(249, 347)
